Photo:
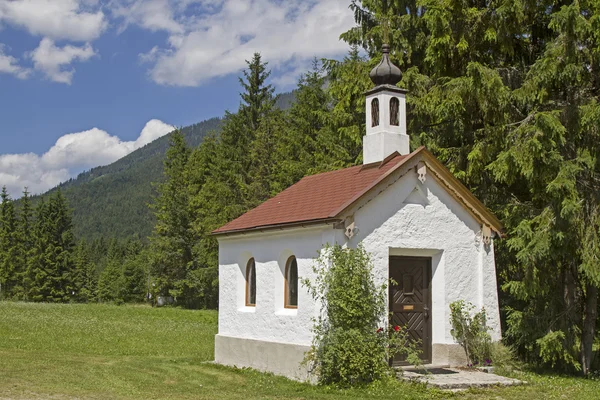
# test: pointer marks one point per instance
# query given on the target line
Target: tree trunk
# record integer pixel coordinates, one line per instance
(589, 327)
(569, 300)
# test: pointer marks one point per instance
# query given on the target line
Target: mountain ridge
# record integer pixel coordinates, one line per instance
(112, 201)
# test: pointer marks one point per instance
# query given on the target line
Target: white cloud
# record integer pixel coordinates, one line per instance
(53, 61)
(19, 171)
(58, 19)
(91, 147)
(71, 154)
(218, 41)
(153, 130)
(149, 56)
(154, 15)
(205, 38)
(10, 65)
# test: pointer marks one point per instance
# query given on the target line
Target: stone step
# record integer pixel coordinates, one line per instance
(456, 378)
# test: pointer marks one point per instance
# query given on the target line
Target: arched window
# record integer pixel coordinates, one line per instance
(251, 283)
(375, 112)
(394, 111)
(291, 283)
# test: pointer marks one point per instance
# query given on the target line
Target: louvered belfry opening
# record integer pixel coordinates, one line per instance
(375, 112)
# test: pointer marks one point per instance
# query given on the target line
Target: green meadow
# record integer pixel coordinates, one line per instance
(96, 351)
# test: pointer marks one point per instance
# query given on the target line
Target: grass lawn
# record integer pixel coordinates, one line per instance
(96, 351)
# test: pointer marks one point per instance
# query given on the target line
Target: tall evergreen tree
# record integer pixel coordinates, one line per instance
(85, 282)
(110, 281)
(347, 82)
(257, 97)
(51, 267)
(556, 225)
(9, 260)
(135, 277)
(35, 281)
(135, 272)
(205, 198)
(225, 188)
(263, 158)
(302, 144)
(173, 238)
(25, 242)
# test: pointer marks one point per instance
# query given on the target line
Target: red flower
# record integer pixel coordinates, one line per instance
(379, 330)
(396, 328)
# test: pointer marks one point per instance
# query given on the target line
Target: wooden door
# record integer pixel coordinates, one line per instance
(410, 301)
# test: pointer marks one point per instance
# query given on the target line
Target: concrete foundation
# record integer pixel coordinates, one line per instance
(452, 355)
(286, 359)
(278, 358)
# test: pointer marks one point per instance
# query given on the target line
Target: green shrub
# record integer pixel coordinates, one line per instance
(471, 332)
(350, 346)
(553, 352)
(503, 356)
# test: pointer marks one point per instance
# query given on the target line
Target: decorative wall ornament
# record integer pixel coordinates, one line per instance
(351, 228)
(421, 171)
(486, 235)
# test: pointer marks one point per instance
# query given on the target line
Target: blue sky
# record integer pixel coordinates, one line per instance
(84, 82)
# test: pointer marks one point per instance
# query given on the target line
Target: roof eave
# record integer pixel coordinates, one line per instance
(281, 226)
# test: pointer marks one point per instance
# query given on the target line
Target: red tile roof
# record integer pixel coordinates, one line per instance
(316, 197)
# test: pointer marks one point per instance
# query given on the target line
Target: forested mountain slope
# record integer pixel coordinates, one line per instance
(112, 201)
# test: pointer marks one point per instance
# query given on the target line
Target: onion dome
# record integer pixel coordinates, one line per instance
(385, 73)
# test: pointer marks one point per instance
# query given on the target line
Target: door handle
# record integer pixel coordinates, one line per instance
(426, 311)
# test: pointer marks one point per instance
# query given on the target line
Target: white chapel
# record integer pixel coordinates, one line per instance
(422, 227)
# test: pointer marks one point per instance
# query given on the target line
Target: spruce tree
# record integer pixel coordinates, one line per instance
(347, 82)
(264, 159)
(36, 272)
(225, 188)
(135, 273)
(308, 142)
(10, 269)
(110, 281)
(51, 266)
(63, 244)
(135, 278)
(25, 242)
(556, 225)
(85, 282)
(204, 202)
(257, 96)
(173, 238)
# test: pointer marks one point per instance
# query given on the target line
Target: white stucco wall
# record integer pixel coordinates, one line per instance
(432, 224)
(268, 320)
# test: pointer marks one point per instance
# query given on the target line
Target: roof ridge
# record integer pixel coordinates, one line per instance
(389, 158)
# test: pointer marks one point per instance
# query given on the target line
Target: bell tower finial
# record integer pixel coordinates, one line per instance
(385, 73)
(385, 111)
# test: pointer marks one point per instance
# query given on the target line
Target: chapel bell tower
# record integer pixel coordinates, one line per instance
(386, 113)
